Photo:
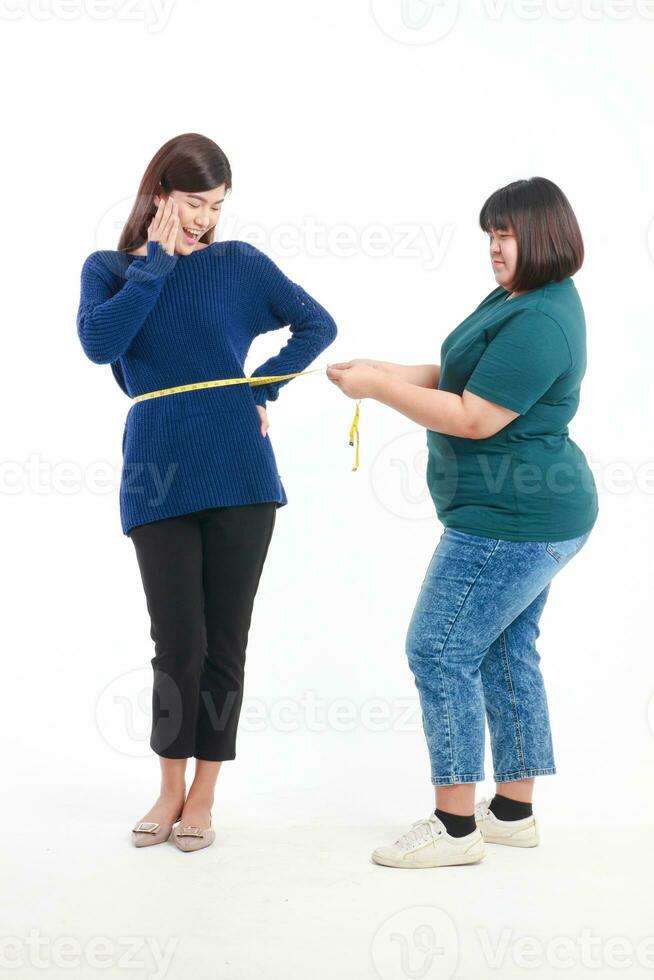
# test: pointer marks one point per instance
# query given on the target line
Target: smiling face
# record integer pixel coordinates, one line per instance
(198, 212)
(504, 255)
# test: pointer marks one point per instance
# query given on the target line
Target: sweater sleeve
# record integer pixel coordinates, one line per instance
(108, 320)
(279, 302)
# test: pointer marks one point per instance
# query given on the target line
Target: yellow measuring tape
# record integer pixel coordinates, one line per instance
(222, 382)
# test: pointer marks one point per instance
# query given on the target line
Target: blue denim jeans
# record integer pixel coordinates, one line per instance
(471, 646)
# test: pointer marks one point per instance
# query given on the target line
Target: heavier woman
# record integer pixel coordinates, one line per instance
(518, 502)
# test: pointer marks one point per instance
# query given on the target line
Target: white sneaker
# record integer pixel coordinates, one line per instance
(428, 845)
(515, 833)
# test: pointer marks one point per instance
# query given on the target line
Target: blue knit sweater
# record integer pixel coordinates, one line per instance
(165, 320)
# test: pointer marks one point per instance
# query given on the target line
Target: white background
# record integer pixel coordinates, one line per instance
(337, 113)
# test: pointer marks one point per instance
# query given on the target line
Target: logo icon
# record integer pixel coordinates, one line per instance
(420, 943)
(400, 471)
(415, 22)
(123, 712)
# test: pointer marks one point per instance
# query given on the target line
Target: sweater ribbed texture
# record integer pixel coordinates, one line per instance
(165, 320)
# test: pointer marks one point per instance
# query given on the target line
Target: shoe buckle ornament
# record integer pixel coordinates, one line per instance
(146, 828)
(190, 832)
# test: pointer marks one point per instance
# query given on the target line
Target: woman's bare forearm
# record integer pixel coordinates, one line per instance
(423, 375)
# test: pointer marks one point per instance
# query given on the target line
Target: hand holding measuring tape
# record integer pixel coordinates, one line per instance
(349, 383)
(356, 379)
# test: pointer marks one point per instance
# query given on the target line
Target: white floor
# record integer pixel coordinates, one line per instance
(288, 891)
(285, 902)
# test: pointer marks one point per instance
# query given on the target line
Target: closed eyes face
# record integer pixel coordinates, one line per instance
(198, 212)
(503, 247)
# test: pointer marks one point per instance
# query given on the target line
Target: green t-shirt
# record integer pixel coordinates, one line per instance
(530, 481)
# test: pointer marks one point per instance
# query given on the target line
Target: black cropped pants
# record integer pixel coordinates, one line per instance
(200, 574)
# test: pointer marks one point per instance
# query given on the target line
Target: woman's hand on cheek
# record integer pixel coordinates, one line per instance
(265, 424)
(356, 379)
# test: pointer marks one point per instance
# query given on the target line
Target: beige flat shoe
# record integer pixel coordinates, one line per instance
(147, 832)
(193, 838)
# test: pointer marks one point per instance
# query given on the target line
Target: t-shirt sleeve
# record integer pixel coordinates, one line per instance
(521, 362)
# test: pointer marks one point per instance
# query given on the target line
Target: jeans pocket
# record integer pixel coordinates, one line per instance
(562, 551)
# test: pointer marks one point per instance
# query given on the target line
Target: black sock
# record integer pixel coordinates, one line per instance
(507, 809)
(455, 824)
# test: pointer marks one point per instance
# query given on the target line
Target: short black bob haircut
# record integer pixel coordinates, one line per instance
(538, 213)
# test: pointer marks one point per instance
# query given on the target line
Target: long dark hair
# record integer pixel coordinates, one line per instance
(538, 213)
(189, 162)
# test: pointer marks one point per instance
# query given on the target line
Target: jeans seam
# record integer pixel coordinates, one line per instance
(458, 612)
(514, 707)
(553, 552)
(444, 644)
(447, 711)
(461, 777)
(523, 774)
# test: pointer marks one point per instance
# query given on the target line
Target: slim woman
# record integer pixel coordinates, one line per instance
(199, 485)
(517, 501)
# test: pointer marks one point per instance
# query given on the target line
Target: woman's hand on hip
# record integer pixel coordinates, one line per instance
(265, 424)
